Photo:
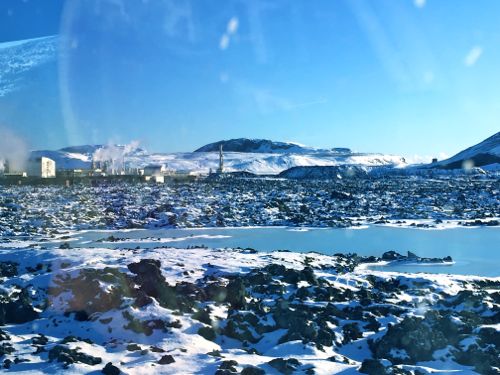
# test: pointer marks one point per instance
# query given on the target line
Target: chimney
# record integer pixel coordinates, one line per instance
(221, 160)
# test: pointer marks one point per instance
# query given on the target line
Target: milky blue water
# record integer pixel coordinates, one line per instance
(476, 251)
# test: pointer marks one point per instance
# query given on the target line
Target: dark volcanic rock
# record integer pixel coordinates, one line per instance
(40, 340)
(110, 369)
(4, 336)
(144, 326)
(62, 353)
(285, 366)
(373, 367)
(418, 337)
(133, 347)
(6, 348)
(250, 370)
(207, 333)
(351, 332)
(88, 295)
(17, 308)
(8, 269)
(242, 327)
(236, 293)
(166, 360)
(153, 284)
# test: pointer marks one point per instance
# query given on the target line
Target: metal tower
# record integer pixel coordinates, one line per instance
(221, 160)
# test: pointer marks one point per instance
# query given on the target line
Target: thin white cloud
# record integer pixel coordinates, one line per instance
(224, 42)
(473, 56)
(419, 3)
(232, 25)
(231, 29)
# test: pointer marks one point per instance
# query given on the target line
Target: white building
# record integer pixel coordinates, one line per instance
(41, 167)
(154, 170)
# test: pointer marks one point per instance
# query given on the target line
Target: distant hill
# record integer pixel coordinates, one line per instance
(485, 154)
(254, 146)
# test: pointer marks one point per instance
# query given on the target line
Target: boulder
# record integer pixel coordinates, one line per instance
(166, 360)
(285, 366)
(110, 369)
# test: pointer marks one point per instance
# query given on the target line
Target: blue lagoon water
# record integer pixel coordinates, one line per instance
(476, 251)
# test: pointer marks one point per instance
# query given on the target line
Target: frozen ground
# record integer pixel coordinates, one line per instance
(204, 311)
(187, 311)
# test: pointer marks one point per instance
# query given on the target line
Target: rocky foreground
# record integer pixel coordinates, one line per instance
(240, 202)
(185, 311)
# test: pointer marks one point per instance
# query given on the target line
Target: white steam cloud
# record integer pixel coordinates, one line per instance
(13, 149)
(114, 155)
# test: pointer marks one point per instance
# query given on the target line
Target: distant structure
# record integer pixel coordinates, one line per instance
(6, 166)
(434, 160)
(42, 167)
(8, 172)
(155, 172)
(220, 170)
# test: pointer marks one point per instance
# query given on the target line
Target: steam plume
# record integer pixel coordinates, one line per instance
(12, 149)
(114, 155)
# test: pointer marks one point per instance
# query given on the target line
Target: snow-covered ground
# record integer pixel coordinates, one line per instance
(198, 311)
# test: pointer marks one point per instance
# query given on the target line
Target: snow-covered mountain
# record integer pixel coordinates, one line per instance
(485, 154)
(260, 157)
(255, 146)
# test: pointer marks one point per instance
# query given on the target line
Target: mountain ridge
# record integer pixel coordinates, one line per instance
(261, 157)
(483, 154)
(252, 145)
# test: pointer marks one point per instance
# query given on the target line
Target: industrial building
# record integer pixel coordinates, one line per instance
(154, 170)
(42, 167)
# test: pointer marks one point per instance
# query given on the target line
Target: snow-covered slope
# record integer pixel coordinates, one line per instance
(201, 162)
(484, 154)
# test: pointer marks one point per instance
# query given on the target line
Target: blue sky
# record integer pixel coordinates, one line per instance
(404, 77)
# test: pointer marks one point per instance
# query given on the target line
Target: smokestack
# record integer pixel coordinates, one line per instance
(221, 160)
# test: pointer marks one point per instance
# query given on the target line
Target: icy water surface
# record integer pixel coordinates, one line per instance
(476, 251)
